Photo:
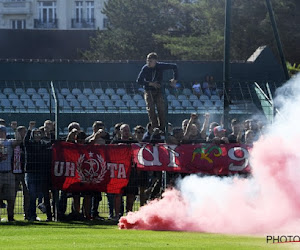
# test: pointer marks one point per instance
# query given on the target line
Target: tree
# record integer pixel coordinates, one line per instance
(193, 30)
(133, 24)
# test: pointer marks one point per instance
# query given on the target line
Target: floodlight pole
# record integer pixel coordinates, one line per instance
(277, 38)
(226, 63)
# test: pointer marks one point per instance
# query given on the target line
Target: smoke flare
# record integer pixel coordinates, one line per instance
(266, 203)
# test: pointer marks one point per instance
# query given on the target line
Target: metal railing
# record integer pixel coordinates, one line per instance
(41, 24)
(83, 23)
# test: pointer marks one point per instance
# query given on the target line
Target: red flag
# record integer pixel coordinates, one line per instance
(102, 168)
(199, 158)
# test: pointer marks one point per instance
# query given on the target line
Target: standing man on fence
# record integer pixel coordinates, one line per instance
(151, 77)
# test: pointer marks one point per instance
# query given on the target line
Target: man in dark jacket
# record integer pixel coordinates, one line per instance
(37, 170)
(151, 77)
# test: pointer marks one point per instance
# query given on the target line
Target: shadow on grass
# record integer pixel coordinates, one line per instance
(62, 224)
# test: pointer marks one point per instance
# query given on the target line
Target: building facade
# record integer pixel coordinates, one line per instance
(52, 14)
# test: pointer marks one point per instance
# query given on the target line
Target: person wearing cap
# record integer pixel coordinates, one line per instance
(7, 178)
(151, 77)
(220, 137)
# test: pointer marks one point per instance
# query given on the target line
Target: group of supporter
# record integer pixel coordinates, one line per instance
(25, 160)
(208, 87)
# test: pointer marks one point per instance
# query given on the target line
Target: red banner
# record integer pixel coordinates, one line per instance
(199, 158)
(77, 168)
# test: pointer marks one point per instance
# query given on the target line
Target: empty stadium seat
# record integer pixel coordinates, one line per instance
(5, 103)
(121, 91)
(93, 97)
(182, 97)
(76, 91)
(19, 91)
(97, 103)
(203, 98)
(45, 96)
(137, 97)
(12, 96)
(87, 91)
(219, 104)
(187, 105)
(2, 96)
(98, 91)
(175, 104)
(30, 91)
(41, 106)
(28, 103)
(131, 104)
(62, 103)
(82, 97)
(214, 98)
(126, 97)
(167, 92)
(109, 91)
(121, 105)
(74, 103)
(197, 103)
(141, 103)
(186, 91)
(115, 97)
(193, 98)
(24, 96)
(42, 91)
(65, 91)
(16, 103)
(70, 97)
(208, 104)
(8, 91)
(86, 104)
(108, 103)
(104, 97)
(171, 97)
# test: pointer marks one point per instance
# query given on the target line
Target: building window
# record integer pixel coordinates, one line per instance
(105, 23)
(18, 24)
(90, 11)
(79, 11)
(47, 11)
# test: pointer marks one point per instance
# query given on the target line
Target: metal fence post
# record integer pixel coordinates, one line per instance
(56, 101)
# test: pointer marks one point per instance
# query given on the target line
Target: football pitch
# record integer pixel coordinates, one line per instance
(104, 234)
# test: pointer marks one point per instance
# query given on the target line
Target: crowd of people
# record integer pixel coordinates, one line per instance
(25, 160)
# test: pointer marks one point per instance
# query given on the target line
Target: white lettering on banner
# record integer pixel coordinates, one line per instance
(70, 169)
(58, 168)
(112, 167)
(232, 156)
(67, 169)
(121, 172)
(154, 154)
(173, 154)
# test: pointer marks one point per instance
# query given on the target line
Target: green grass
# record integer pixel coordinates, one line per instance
(88, 235)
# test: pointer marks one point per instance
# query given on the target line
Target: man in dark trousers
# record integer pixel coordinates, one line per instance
(151, 77)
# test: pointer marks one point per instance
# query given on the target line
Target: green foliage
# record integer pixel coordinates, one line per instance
(192, 30)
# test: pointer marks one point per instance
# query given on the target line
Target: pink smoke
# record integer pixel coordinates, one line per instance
(267, 203)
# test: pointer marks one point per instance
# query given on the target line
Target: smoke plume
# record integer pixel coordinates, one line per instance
(268, 202)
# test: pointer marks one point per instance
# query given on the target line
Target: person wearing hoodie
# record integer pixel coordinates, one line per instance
(37, 170)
